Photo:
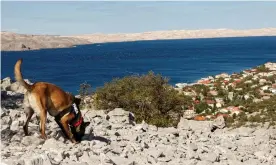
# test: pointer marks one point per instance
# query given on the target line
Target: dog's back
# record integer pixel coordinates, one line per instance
(56, 98)
(50, 96)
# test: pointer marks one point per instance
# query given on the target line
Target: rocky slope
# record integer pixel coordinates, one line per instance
(114, 138)
(176, 34)
(18, 42)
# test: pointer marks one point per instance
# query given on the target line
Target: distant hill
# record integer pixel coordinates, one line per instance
(176, 34)
(17, 42)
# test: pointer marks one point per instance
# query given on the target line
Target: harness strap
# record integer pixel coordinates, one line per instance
(62, 113)
(78, 119)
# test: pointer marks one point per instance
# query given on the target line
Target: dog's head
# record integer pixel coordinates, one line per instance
(78, 129)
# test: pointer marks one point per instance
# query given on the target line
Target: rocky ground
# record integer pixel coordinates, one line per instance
(17, 42)
(114, 138)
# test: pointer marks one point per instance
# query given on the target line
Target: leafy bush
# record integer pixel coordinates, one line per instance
(199, 88)
(229, 121)
(262, 68)
(272, 78)
(267, 91)
(256, 118)
(202, 106)
(267, 109)
(149, 97)
(261, 112)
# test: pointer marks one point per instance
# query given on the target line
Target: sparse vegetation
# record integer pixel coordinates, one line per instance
(85, 90)
(267, 109)
(201, 107)
(262, 68)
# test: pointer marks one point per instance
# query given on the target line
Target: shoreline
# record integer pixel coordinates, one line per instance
(21, 42)
(175, 34)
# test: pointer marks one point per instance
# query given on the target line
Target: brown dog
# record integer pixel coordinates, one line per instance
(44, 97)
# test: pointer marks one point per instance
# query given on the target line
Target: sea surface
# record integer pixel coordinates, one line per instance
(180, 60)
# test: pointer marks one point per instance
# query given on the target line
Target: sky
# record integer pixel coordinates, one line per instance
(73, 18)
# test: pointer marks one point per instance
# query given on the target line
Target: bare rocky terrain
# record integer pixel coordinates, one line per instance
(176, 34)
(114, 138)
(18, 42)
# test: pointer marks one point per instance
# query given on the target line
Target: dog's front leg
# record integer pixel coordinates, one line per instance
(67, 130)
(62, 129)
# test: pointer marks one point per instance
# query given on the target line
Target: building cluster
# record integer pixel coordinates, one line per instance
(226, 94)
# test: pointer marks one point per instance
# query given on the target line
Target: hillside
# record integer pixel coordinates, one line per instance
(18, 42)
(176, 34)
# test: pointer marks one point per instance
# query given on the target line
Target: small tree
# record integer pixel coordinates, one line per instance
(85, 90)
(202, 106)
(262, 68)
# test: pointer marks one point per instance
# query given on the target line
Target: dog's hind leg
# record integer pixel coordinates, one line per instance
(43, 116)
(29, 113)
(41, 104)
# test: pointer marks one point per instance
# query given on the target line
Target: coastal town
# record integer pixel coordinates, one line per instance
(230, 95)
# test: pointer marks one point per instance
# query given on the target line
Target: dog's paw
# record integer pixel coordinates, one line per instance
(27, 134)
(74, 141)
(44, 137)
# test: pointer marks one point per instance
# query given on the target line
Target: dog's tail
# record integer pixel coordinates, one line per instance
(18, 75)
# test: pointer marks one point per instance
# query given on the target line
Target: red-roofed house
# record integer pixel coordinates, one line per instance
(234, 110)
(211, 102)
(204, 81)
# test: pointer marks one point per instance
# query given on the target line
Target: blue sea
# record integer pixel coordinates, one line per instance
(180, 60)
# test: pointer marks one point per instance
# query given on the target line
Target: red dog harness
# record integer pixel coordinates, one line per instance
(78, 119)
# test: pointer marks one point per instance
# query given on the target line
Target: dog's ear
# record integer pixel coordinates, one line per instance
(86, 124)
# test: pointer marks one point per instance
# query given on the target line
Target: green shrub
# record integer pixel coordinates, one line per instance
(199, 88)
(256, 118)
(202, 106)
(229, 121)
(243, 117)
(234, 116)
(272, 78)
(149, 97)
(267, 91)
(262, 68)
(267, 109)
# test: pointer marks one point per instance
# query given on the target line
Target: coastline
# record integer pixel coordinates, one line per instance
(21, 42)
(175, 34)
